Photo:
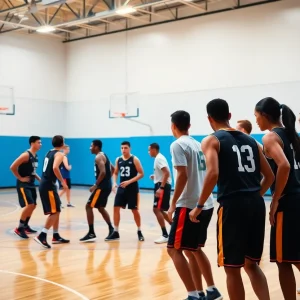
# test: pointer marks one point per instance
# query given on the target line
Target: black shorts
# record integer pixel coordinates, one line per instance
(129, 197)
(163, 202)
(285, 243)
(50, 200)
(26, 196)
(99, 198)
(185, 234)
(68, 183)
(241, 229)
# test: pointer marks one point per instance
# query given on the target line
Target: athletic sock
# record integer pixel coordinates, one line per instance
(44, 230)
(26, 222)
(210, 288)
(21, 224)
(91, 229)
(116, 228)
(164, 232)
(110, 226)
(194, 294)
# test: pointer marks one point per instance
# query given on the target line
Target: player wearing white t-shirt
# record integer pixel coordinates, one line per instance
(162, 190)
(189, 164)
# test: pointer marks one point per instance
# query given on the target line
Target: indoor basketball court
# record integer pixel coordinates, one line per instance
(115, 71)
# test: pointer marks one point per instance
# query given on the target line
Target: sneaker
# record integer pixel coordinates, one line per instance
(202, 296)
(161, 240)
(42, 241)
(191, 298)
(140, 236)
(214, 295)
(70, 205)
(29, 230)
(59, 240)
(21, 233)
(113, 237)
(111, 230)
(90, 237)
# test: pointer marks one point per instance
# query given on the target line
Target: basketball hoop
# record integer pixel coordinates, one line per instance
(3, 108)
(120, 114)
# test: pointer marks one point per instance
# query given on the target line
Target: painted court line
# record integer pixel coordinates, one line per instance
(48, 281)
(11, 212)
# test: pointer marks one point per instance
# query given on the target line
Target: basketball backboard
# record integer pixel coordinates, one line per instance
(7, 103)
(124, 105)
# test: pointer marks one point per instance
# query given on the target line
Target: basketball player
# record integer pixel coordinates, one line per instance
(282, 149)
(100, 191)
(24, 169)
(131, 171)
(245, 126)
(48, 192)
(189, 165)
(234, 162)
(162, 190)
(65, 169)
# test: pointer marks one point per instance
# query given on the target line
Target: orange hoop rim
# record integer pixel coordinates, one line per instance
(120, 114)
(3, 108)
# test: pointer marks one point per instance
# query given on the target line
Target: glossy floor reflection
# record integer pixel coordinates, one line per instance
(127, 269)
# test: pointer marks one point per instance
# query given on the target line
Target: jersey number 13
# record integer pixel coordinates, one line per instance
(245, 149)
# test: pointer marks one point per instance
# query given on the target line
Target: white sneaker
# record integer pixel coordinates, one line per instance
(161, 240)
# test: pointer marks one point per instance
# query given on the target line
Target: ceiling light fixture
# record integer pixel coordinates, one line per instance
(45, 29)
(125, 10)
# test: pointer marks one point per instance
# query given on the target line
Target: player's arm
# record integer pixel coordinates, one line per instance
(58, 159)
(139, 169)
(112, 169)
(66, 163)
(266, 171)
(23, 158)
(37, 177)
(100, 161)
(273, 149)
(166, 172)
(116, 173)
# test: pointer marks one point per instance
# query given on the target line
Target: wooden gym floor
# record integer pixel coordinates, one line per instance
(127, 269)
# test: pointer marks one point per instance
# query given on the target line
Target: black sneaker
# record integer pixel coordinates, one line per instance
(202, 296)
(111, 230)
(113, 237)
(90, 237)
(29, 230)
(70, 205)
(21, 233)
(214, 295)
(140, 236)
(57, 239)
(42, 240)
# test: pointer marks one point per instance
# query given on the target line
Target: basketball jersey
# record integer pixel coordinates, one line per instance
(186, 151)
(64, 172)
(28, 169)
(293, 184)
(106, 181)
(48, 176)
(239, 163)
(127, 170)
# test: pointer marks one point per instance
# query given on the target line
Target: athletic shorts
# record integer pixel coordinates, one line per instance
(163, 202)
(99, 198)
(185, 234)
(285, 242)
(26, 196)
(68, 183)
(127, 197)
(50, 200)
(241, 229)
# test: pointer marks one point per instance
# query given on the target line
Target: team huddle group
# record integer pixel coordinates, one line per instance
(241, 168)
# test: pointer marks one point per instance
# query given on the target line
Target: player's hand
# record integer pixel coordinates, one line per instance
(171, 211)
(194, 214)
(124, 183)
(273, 209)
(92, 188)
(152, 177)
(159, 193)
(70, 167)
(25, 179)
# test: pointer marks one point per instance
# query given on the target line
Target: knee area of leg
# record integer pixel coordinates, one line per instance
(188, 254)
(250, 266)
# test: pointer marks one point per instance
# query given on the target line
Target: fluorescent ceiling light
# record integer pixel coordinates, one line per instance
(125, 10)
(45, 29)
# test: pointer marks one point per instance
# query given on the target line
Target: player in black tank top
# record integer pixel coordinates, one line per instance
(24, 169)
(48, 192)
(100, 191)
(282, 147)
(131, 171)
(234, 162)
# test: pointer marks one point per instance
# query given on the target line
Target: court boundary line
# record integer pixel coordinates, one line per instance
(47, 281)
(11, 212)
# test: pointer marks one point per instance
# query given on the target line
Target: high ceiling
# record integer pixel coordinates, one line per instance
(78, 19)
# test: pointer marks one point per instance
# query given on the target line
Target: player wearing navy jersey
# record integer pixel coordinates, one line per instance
(131, 171)
(48, 192)
(282, 149)
(65, 169)
(100, 191)
(24, 169)
(235, 163)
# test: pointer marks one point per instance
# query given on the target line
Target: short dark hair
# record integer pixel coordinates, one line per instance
(33, 139)
(218, 109)
(125, 143)
(97, 143)
(181, 119)
(246, 125)
(57, 141)
(154, 146)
